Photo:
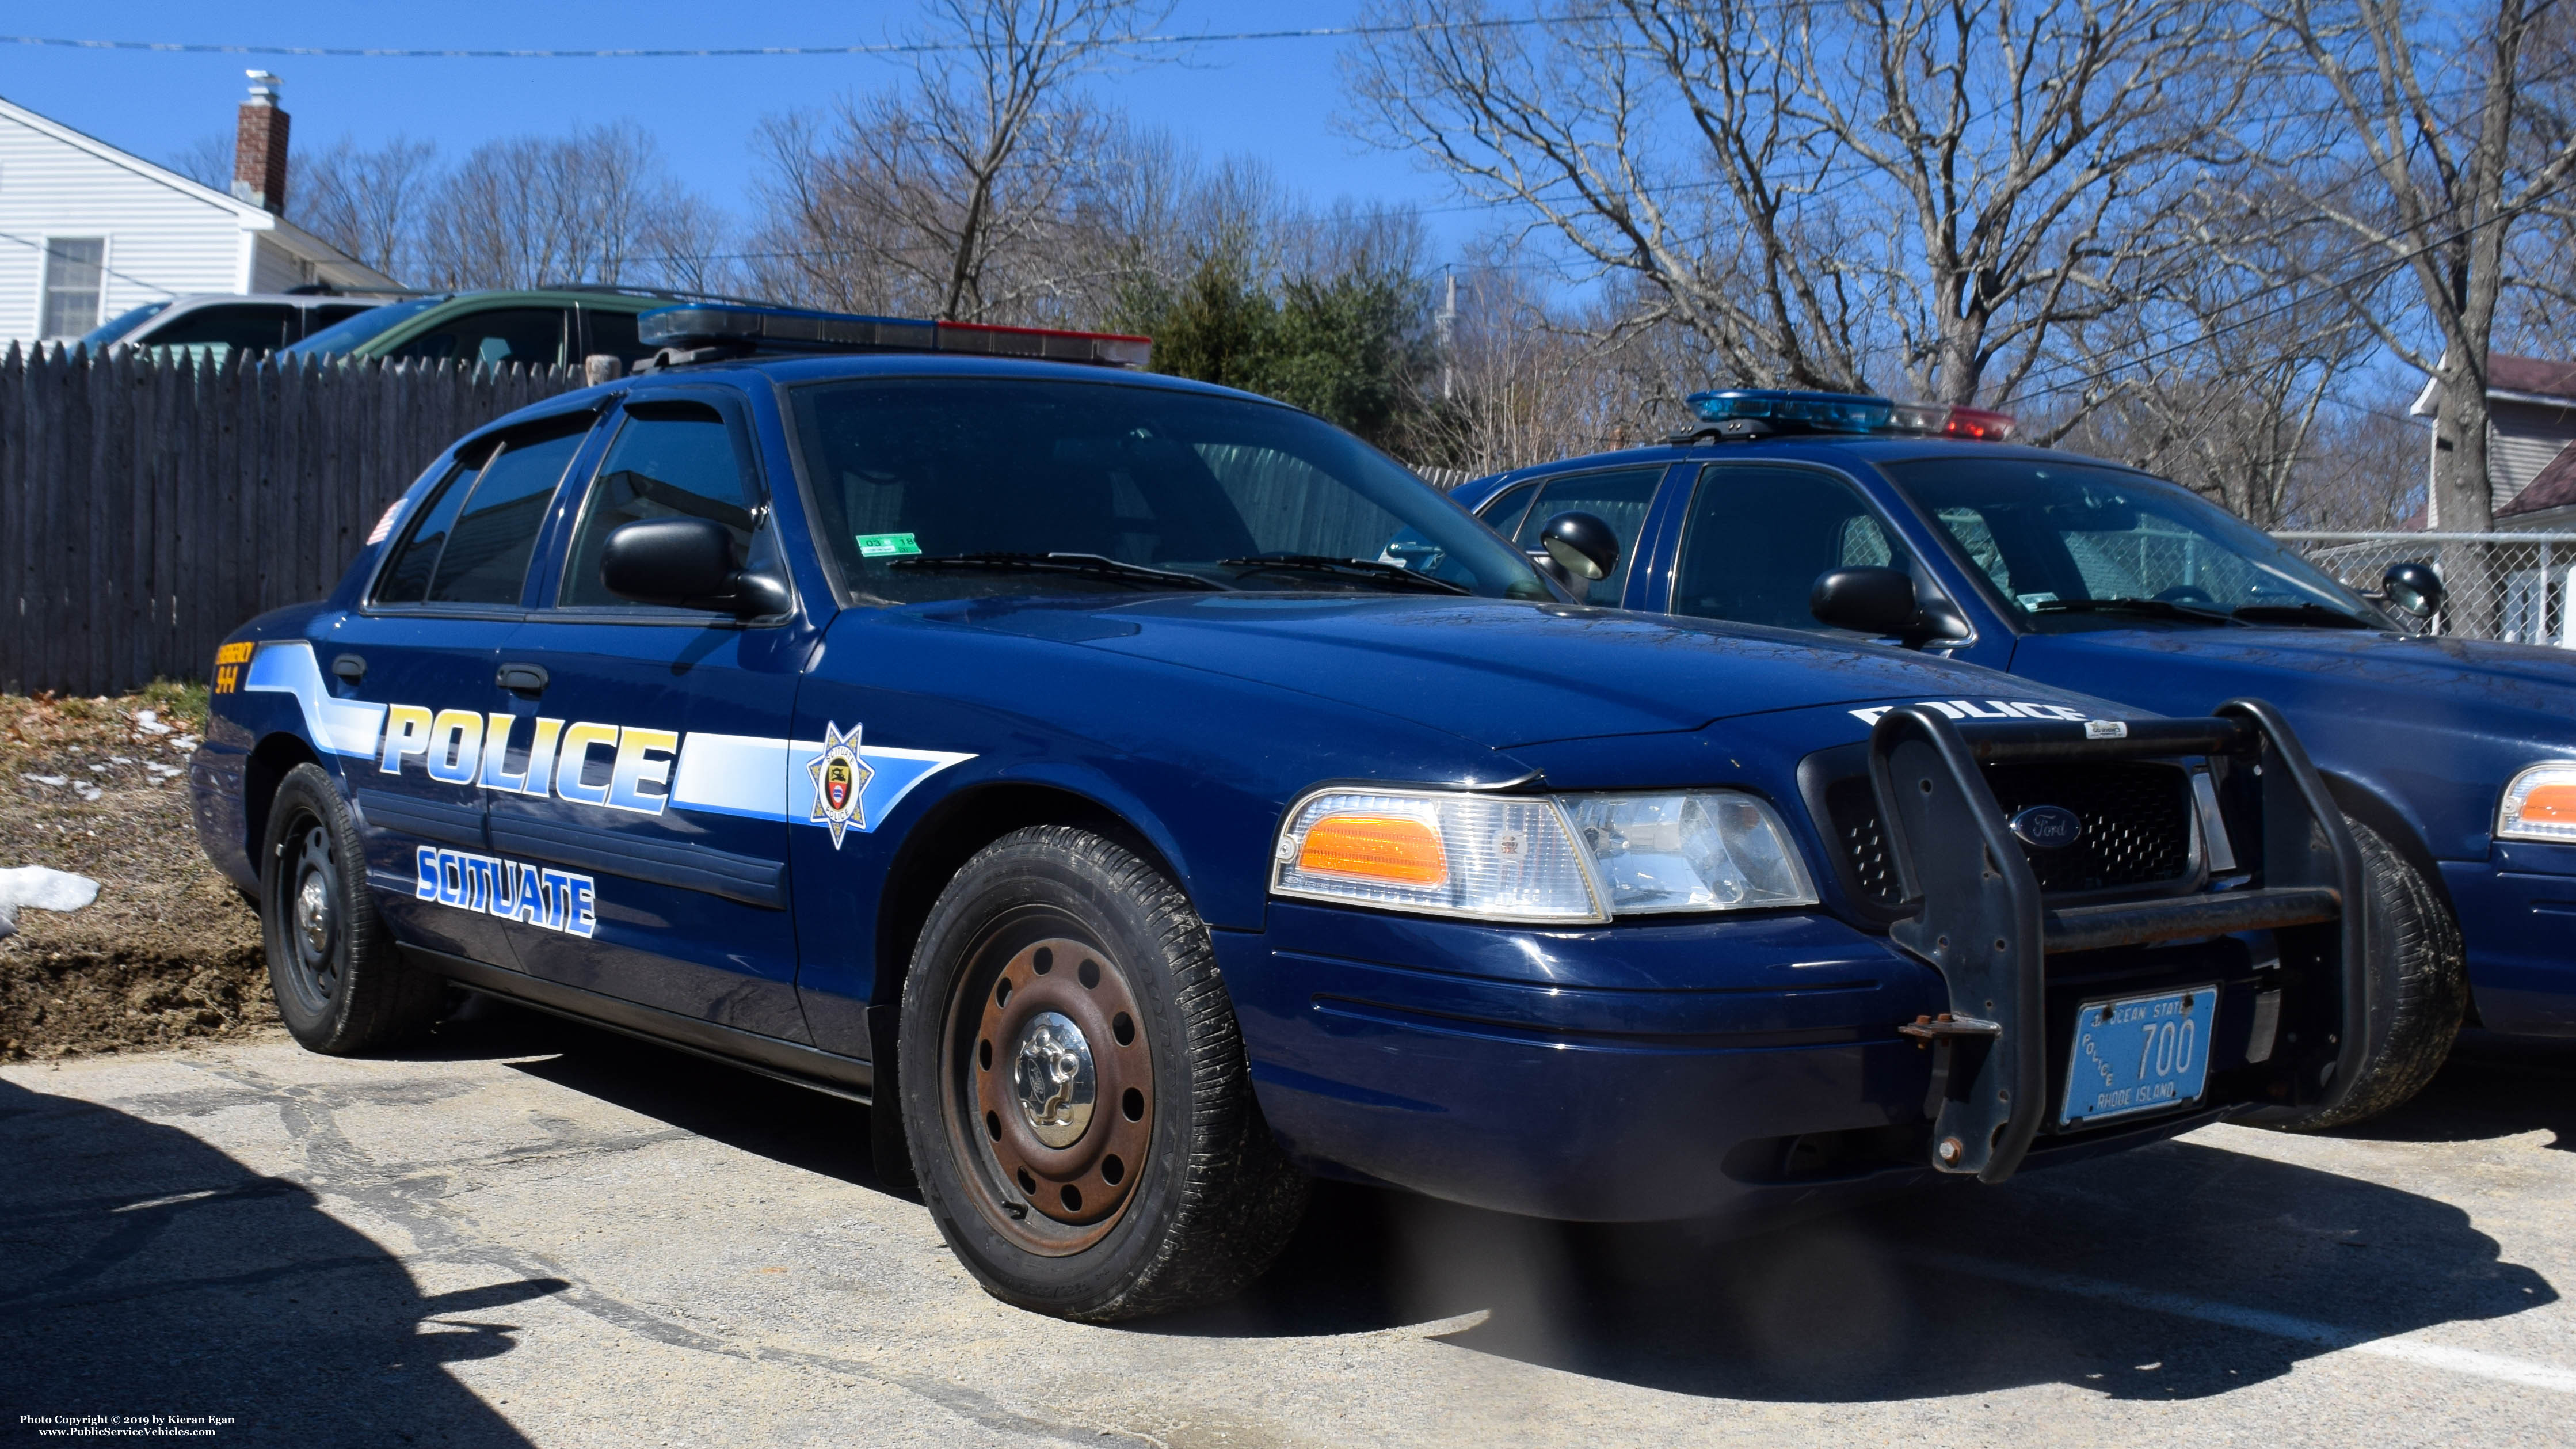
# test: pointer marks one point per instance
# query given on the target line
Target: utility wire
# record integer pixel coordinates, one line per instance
(890, 47)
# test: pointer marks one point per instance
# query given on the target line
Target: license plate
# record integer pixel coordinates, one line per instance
(2139, 1054)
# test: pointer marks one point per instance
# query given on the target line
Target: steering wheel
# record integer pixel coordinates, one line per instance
(2187, 594)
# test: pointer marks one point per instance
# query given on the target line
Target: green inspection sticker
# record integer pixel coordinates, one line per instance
(878, 545)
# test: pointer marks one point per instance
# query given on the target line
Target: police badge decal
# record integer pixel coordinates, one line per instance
(840, 780)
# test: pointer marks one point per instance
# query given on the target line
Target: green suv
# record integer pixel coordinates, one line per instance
(538, 327)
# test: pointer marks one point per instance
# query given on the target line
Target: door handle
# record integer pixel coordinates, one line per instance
(523, 679)
(350, 668)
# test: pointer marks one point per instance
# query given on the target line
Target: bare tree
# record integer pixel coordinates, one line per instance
(938, 196)
(597, 206)
(207, 161)
(368, 203)
(1828, 194)
(2430, 168)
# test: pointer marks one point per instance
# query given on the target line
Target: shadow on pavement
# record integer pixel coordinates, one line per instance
(1911, 1297)
(2493, 1086)
(741, 1109)
(1908, 1297)
(145, 1272)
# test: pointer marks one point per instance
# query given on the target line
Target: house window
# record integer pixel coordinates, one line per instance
(73, 266)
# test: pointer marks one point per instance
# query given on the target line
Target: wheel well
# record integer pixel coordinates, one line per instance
(950, 835)
(2370, 809)
(261, 774)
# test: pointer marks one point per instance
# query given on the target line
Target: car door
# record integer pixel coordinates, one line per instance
(660, 740)
(424, 646)
(1755, 535)
(1617, 496)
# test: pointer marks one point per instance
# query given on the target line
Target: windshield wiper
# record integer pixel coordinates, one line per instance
(1349, 568)
(2304, 614)
(2153, 608)
(1096, 565)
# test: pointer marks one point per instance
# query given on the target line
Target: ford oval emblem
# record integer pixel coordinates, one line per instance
(2047, 827)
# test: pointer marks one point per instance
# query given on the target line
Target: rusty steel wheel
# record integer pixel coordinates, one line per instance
(1074, 1088)
(1060, 1078)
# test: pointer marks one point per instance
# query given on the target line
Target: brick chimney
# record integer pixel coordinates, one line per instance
(259, 146)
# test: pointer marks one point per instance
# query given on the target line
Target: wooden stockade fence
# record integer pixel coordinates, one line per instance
(148, 506)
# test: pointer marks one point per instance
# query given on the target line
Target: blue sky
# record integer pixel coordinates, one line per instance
(1272, 99)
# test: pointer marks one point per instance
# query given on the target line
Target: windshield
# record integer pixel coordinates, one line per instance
(356, 332)
(941, 488)
(122, 323)
(2070, 546)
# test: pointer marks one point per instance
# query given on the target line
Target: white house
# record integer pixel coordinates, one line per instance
(2531, 420)
(87, 230)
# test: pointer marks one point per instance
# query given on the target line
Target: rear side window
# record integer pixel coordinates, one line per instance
(614, 334)
(527, 335)
(247, 326)
(1617, 498)
(473, 542)
(670, 460)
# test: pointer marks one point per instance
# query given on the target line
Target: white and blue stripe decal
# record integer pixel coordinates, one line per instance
(637, 769)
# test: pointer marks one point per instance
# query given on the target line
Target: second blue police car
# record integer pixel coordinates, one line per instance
(1057, 758)
(1855, 517)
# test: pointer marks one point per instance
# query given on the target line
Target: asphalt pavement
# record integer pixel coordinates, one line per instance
(539, 1233)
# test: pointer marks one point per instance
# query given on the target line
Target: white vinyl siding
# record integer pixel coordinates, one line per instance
(274, 269)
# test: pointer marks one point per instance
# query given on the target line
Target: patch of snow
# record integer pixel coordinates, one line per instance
(149, 721)
(47, 779)
(46, 890)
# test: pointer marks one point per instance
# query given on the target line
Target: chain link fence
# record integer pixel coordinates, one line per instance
(2510, 586)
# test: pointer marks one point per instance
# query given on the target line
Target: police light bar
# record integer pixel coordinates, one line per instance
(794, 329)
(1839, 412)
(1850, 412)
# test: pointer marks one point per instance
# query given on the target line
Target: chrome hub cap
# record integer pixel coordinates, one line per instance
(1053, 1078)
(313, 914)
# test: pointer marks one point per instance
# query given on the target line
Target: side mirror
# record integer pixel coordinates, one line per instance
(1877, 601)
(2413, 587)
(687, 563)
(1582, 545)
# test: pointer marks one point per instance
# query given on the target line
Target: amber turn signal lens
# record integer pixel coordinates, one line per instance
(2550, 805)
(1401, 849)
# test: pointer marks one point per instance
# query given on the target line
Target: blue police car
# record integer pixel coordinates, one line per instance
(1056, 757)
(1855, 517)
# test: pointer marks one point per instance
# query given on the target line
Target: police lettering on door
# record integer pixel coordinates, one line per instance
(621, 767)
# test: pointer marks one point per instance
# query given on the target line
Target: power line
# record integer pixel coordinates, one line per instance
(891, 47)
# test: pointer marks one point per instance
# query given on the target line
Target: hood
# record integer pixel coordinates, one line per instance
(2396, 673)
(1497, 672)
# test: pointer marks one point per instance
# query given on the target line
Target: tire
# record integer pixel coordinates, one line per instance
(2418, 972)
(1107, 1160)
(340, 986)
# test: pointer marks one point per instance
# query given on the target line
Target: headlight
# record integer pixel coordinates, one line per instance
(1567, 859)
(2540, 804)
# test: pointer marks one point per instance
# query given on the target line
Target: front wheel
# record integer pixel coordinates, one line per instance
(2418, 973)
(340, 987)
(1075, 1092)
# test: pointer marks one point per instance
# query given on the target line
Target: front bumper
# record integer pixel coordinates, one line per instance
(2517, 914)
(1635, 1073)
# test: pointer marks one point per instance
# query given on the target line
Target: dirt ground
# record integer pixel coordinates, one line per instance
(168, 951)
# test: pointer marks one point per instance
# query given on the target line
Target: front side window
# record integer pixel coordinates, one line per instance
(2070, 545)
(75, 268)
(937, 488)
(1758, 535)
(123, 322)
(671, 459)
(531, 336)
(1503, 512)
(614, 333)
(472, 543)
(1617, 498)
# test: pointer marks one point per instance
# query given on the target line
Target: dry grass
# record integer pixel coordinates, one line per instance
(169, 951)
